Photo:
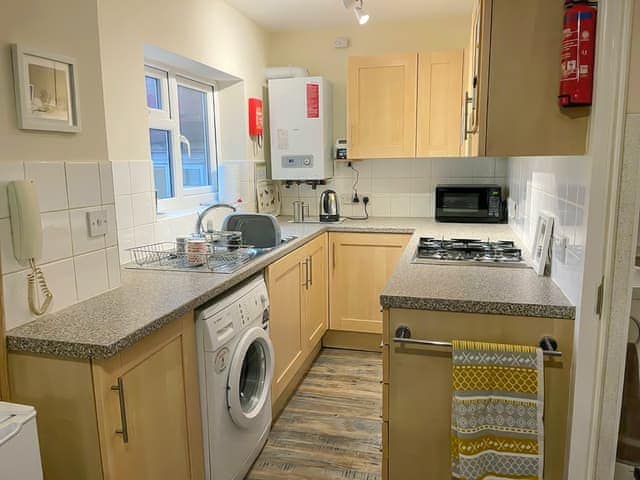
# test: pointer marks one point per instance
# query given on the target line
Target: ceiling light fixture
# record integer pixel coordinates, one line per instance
(358, 8)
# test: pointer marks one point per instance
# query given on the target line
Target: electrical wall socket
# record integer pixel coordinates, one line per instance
(98, 224)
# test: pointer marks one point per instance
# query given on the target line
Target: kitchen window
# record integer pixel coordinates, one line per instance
(182, 138)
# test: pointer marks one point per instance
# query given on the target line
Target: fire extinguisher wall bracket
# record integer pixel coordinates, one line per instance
(578, 54)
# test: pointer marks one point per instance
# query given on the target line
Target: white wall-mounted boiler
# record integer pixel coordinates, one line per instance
(301, 128)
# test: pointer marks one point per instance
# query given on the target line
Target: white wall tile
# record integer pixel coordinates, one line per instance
(83, 184)
(400, 206)
(483, 167)
(113, 267)
(61, 280)
(141, 179)
(126, 240)
(51, 184)
(82, 242)
(56, 238)
(121, 178)
(60, 277)
(557, 186)
(420, 205)
(143, 235)
(111, 238)
(10, 171)
(16, 306)
(92, 277)
(143, 207)
(9, 262)
(124, 211)
(106, 183)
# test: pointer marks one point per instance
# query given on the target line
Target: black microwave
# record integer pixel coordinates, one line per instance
(470, 204)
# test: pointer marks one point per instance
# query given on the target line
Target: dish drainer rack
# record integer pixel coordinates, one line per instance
(168, 256)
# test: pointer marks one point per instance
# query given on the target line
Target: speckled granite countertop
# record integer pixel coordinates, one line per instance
(147, 300)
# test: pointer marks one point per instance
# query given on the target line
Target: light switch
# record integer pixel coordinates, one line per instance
(97, 221)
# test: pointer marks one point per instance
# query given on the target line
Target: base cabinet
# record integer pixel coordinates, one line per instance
(418, 380)
(134, 415)
(298, 288)
(360, 265)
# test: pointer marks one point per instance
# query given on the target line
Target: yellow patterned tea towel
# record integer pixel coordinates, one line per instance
(497, 413)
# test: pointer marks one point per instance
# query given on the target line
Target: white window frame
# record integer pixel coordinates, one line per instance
(167, 118)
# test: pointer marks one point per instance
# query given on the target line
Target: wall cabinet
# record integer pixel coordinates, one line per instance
(403, 106)
(297, 286)
(416, 430)
(381, 106)
(440, 77)
(134, 415)
(360, 266)
(513, 82)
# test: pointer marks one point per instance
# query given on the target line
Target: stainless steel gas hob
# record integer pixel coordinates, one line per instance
(467, 251)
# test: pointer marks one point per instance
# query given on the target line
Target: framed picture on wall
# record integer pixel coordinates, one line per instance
(46, 89)
(541, 243)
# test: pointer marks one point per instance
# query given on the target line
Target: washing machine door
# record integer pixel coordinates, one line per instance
(250, 375)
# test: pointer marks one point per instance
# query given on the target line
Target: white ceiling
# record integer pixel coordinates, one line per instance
(304, 14)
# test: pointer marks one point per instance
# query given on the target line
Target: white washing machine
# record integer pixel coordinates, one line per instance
(235, 357)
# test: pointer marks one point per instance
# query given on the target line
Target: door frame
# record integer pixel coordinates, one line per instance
(597, 396)
(4, 371)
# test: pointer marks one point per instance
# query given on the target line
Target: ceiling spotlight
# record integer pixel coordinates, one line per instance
(358, 8)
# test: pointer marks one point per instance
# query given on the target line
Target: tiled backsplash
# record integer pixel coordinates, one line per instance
(75, 265)
(399, 187)
(138, 223)
(558, 186)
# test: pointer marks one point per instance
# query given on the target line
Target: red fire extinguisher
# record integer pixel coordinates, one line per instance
(578, 53)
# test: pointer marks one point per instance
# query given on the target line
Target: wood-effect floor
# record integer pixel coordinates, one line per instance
(331, 428)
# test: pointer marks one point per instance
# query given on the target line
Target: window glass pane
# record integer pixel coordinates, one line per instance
(161, 158)
(154, 93)
(194, 141)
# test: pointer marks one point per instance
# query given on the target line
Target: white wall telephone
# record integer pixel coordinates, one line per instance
(26, 229)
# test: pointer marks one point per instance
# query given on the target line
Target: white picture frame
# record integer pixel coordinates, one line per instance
(541, 243)
(46, 88)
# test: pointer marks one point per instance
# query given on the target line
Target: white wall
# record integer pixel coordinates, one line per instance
(206, 31)
(558, 186)
(65, 27)
(398, 187)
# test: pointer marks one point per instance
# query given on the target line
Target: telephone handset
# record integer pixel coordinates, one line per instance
(26, 229)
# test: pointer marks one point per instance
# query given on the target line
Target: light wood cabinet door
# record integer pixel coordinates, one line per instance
(316, 321)
(285, 280)
(420, 387)
(440, 106)
(381, 106)
(360, 266)
(148, 409)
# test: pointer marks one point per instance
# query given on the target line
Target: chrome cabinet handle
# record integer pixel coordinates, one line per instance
(306, 273)
(310, 270)
(333, 254)
(467, 100)
(124, 430)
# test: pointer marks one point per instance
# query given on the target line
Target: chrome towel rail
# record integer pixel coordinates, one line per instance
(403, 335)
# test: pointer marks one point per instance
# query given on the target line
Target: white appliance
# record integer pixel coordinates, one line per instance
(626, 472)
(19, 449)
(235, 360)
(301, 128)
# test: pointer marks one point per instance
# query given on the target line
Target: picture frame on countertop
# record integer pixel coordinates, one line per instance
(541, 243)
(46, 89)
